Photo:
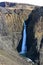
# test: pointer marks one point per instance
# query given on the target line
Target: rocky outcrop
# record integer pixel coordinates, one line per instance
(11, 22)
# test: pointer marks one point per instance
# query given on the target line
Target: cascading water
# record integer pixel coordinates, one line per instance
(24, 48)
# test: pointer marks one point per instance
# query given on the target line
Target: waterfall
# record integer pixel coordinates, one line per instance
(24, 48)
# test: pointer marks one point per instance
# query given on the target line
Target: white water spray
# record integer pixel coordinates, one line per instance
(24, 48)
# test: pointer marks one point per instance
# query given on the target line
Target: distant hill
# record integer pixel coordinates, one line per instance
(11, 4)
(3, 4)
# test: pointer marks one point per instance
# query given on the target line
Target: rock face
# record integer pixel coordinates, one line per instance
(11, 25)
(11, 22)
(34, 32)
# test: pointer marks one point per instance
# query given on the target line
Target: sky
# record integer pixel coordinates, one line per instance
(33, 2)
